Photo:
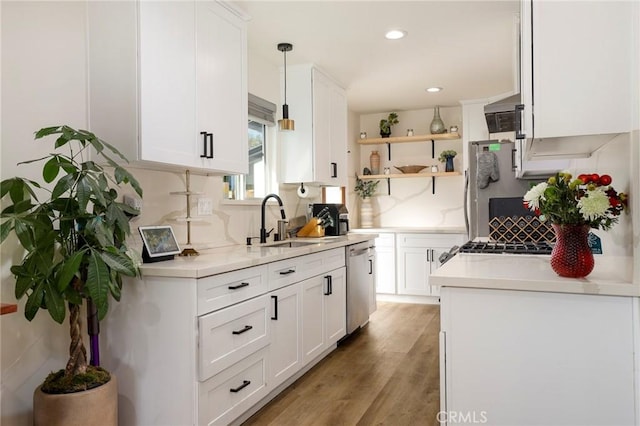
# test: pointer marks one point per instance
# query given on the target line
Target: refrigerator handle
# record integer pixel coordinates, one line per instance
(513, 159)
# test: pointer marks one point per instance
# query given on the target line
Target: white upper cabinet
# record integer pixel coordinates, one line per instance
(316, 151)
(168, 83)
(577, 69)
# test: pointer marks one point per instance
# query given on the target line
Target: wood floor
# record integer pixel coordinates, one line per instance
(387, 374)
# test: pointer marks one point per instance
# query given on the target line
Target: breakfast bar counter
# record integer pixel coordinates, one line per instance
(611, 276)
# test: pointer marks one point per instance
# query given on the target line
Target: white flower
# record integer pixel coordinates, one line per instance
(534, 195)
(594, 204)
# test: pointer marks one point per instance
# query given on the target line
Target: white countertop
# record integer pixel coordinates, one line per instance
(611, 275)
(224, 259)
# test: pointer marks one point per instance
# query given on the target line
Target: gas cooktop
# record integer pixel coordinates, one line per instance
(542, 247)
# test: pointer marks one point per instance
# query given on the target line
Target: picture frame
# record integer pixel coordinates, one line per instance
(159, 243)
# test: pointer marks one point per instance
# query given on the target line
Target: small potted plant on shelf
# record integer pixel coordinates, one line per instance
(385, 124)
(446, 157)
(365, 189)
(74, 253)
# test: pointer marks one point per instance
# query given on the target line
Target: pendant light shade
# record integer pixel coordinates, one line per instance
(285, 124)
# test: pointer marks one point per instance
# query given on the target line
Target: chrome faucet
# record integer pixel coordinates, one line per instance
(263, 229)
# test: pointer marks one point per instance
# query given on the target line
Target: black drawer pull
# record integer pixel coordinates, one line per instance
(235, 287)
(275, 315)
(244, 330)
(290, 271)
(244, 384)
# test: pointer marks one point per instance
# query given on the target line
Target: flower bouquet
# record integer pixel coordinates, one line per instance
(573, 206)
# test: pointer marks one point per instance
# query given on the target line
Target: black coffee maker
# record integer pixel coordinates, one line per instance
(339, 218)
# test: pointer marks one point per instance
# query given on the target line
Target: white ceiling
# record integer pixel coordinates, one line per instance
(466, 47)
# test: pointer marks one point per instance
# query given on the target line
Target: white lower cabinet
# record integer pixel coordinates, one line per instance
(323, 312)
(385, 268)
(285, 351)
(418, 257)
(212, 348)
(533, 358)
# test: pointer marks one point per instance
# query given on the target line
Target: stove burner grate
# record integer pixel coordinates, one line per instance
(541, 247)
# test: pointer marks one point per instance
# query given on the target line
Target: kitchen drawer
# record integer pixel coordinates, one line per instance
(230, 334)
(385, 240)
(296, 269)
(429, 240)
(222, 290)
(224, 397)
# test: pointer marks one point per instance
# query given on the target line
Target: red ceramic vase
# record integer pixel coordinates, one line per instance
(571, 256)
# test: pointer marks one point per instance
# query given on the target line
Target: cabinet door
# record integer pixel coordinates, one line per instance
(339, 114)
(385, 269)
(321, 127)
(221, 90)
(593, 56)
(335, 307)
(285, 351)
(414, 267)
(167, 83)
(313, 320)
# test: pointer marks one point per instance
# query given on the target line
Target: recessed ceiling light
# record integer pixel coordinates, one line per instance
(395, 34)
(433, 89)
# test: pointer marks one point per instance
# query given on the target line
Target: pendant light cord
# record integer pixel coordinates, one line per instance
(285, 77)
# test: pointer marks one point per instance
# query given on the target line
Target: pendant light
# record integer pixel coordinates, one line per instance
(285, 124)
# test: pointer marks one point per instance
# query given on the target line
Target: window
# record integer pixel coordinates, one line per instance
(259, 181)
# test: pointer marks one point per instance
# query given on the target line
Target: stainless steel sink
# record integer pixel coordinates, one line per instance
(290, 243)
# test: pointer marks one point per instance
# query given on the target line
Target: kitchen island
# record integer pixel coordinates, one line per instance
(521, 346)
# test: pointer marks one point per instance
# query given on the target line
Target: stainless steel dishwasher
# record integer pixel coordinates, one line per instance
(358, 282)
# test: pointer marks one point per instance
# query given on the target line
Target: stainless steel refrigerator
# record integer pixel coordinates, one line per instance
(491, 187)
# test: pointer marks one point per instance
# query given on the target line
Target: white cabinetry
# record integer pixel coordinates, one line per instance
(418, 258)
(385, 268)
(324, 312)
(215, 347)
(578, 66)
(285, 352)
(317, 150)
(167, 83)
(515, 357)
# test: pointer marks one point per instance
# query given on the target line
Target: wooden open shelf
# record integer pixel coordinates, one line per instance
(405, 139)
(388, 177)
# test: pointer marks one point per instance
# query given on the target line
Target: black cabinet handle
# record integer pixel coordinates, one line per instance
(275, 309)
(428, 260)
(334, 170)
(244, 330)
(287, 272)
(235, 287)
(210, 135)
(204, 147)
(513, 159)
(370, 266)
(518, 122)
(329, 285)
(244, 384)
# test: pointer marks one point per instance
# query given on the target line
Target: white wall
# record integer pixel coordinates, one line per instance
(411, 203)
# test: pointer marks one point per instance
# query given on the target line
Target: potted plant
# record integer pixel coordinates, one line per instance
(385, 124)
(365, 189)
(446, 157)
(75, 251)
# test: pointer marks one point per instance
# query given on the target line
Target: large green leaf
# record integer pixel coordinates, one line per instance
(63, 185)
(122, 175)
(119, 262)
(83, 192)
(46, 131)
(50, 170)
(97, 228)
(113, 149)
(97, 190)
(97, 284)
(34, 301)
(17, 208)
(118, 218)
(54, 302)
(69, 268)
(5, 229)
(25, 235)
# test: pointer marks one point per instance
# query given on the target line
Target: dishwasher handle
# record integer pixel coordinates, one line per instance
(360, 252)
